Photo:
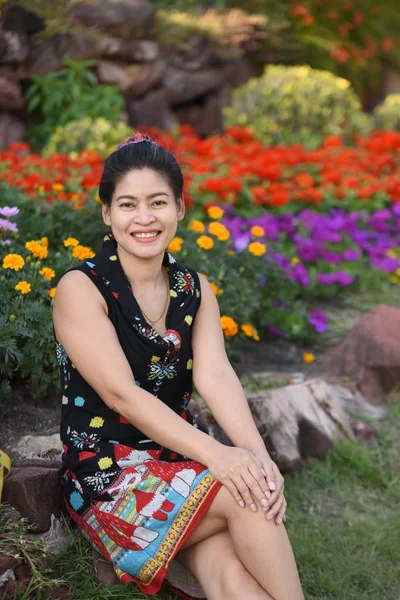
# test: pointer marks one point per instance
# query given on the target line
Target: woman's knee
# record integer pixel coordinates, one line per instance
(235, 581)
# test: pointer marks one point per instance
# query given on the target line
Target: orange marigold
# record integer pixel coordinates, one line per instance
(247, 329)
(176, 244)
(197, 226)
(229, 326)
(38, 250)
(205, 242)
(308, 357)
(257, 248)
(82, 252)
(257, 231)
(24, 287)
(52, 292)
(13, 261)
(215, 212)
(71, 241)
(47, 273)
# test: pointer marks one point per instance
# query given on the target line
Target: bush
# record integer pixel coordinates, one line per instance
(387, 114)
(97, 135)
(296, 105)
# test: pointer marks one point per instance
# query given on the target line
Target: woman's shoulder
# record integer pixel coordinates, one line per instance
(80, 282)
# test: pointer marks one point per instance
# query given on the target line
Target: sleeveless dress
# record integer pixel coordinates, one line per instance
(135, 501)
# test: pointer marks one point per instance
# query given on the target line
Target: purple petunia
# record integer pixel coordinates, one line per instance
(8, 225)
(9, 211)
(319, 321)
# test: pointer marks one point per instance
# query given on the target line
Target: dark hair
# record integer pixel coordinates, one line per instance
(139, 155)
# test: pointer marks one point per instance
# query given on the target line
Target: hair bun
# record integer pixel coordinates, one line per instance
(136, 139)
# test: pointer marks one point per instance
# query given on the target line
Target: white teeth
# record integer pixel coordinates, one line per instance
(145, 235)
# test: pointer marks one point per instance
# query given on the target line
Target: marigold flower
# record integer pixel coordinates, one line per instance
(215, 212)
(12, 318)
(47, 273)
(37, 249)
(197, 226)
(257, 231)
(219, 230)
(82, 252)
(58, 187)
(256, 337)
(52, 292)
(247, 329)
(176, 244)
(205, 242)
(24, 287)
(13, 261)
(257, 248)
(71, 241)
(45, 241)
(214, 288)
(295, 260)
(229, 326)
(308, 357)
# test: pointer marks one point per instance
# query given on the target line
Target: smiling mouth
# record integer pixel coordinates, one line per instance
(145, 235)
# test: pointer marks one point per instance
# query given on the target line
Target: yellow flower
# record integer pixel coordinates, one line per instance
(256, 337)
(205, 242)
(247, 329)
(395, 279)
(257, 248)
(45, 241)
(197, 226)
(75, 197)
(105, 462)
(47, 273)
(24, 287)
(82, 252)
(257, 231)
(308, 358)
(96, 422)
(97, 198)
(12, 318)
(219, 230)
(214, 288)
(58, 187)
(176, 245)
(230, 252)
(229, 326)
(215, 212)
(71, 242)
(41, 188)
(52, 292)
(37, 249)
(13, 261)
(295, 260)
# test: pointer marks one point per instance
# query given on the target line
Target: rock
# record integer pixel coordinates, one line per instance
(136, 80)
(59, 593)
(354, 403)
(199, 54)
(130, 50)
(184, 86)
(7, 561)
(369, 354)
(19, 18)
(7, 585)
(58, 536)
(11, 129)
(105, 570)
(295, 421)
(35, 493)
(126, 19)
(14, 47)
(362, 430)
(11, 97)
(152, 109)
(38, 446)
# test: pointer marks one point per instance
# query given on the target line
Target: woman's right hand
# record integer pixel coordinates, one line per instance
(238, 470)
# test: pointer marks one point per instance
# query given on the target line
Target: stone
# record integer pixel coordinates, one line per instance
(11, 97)
(184, 86)
(16, 47)
(153, 109)
(38, 446)
(369, 354)
(61, 592)
(136, 80)
(130, 50)
(35, 493)
(7, 561)
(105, 570)
(7, 585)
(11, 129)
(362, 430)
(199, 54)
(18, 18)
(58, 536)
(126, 19)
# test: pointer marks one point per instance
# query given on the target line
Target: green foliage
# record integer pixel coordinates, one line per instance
(387, 114)
(69, 94)
(296, 105)
(97, 135)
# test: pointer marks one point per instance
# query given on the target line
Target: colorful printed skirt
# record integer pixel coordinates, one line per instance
(156, 506)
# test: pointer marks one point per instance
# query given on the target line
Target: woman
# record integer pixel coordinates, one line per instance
(133, 329)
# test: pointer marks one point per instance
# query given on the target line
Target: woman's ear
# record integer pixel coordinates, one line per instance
(181, 208)
(105, 211)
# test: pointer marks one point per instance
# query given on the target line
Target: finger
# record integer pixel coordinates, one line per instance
(234, 491)
(259, 477)
(280, 515)
(270, 475)
(255, 489)
(274, 510)
(244, 491)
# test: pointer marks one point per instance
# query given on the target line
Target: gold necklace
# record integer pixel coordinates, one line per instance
(165, 305)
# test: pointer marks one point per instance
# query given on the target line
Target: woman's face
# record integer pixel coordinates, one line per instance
(144, 215)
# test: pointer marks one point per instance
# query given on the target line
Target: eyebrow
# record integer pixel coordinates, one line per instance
(134, 197)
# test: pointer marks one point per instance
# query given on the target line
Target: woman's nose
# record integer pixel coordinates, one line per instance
(143, 215)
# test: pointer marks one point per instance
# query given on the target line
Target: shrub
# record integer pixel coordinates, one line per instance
(387, 114)
(97, 135)
(296, 105)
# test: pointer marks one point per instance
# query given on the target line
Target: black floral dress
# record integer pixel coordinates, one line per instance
(133, 499)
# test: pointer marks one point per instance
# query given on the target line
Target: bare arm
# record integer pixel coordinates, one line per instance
(90, 340)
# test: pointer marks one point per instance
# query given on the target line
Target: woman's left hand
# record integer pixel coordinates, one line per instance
(276, 483)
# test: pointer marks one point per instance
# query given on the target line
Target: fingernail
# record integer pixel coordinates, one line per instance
(241, 503)
(253, 507)
(279, 521)
(272, 485)
(264, 503)
(270, 517)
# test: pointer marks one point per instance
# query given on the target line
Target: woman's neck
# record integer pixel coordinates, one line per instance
(144, 273)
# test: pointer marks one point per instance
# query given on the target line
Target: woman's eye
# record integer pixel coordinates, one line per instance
(159, 202)
(127, 204)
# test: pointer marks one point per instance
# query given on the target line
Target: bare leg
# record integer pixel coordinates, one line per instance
(221, 574)
(262, 546)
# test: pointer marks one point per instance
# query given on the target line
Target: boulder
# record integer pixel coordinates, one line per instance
(18, 18)
(135, 80)
(14, 47)
(11, 129)
(184, 86)
(35, 493)
(11, 97)
(152, 109)
(199, 54)
(130, 50)
(369, 354)
(38, 446)
(126, 19)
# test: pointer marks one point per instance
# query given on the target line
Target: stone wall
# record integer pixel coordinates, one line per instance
(164, 80)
